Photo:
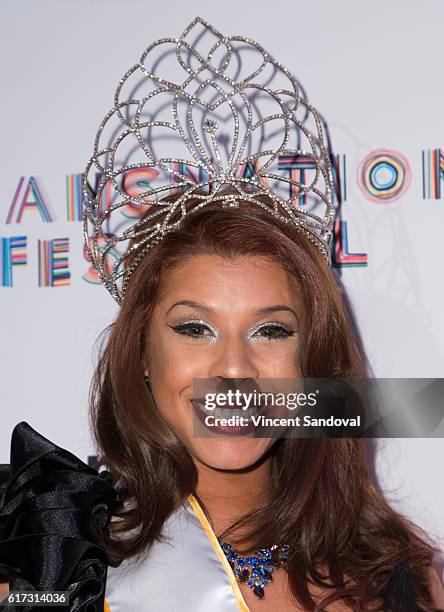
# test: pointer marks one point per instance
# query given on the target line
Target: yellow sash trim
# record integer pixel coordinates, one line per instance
(220, 553)
(106, 607)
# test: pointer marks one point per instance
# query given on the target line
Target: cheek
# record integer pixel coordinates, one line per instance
(173, 357)
(171, 372)
(280, 362)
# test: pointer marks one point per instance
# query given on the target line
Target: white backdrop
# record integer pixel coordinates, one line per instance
(372, 70)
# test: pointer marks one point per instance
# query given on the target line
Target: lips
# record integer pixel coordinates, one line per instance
(238, 429)
(225, 412)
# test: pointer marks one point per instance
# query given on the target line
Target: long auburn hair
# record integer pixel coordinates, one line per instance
(326, 505)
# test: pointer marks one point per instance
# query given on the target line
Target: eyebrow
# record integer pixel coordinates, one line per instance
(265, 310)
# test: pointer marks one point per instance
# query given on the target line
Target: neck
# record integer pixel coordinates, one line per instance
(229, 494)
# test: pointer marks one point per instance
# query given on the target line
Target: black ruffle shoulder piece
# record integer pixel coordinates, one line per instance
(53, 509)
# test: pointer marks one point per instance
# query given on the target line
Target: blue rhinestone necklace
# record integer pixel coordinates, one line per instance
(256, 571)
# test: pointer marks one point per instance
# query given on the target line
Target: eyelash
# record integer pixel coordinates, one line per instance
(182, 330)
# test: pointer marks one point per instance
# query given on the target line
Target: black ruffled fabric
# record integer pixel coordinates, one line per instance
(53, 509)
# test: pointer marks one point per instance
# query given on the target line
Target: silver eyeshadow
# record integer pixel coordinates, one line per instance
(217, 334)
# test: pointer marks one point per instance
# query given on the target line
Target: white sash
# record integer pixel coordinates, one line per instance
(187, 573)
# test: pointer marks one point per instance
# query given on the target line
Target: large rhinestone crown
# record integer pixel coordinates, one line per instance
(209, 118)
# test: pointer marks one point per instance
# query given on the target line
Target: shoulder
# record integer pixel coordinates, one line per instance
(436, 587)
(320, 593)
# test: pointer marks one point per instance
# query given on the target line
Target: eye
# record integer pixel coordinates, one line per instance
(194, 330)
(275, 332)
(191, 329)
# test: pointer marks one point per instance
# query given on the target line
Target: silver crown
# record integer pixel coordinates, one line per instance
(224, 114)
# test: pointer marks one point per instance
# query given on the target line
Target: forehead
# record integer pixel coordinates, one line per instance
(241, 283)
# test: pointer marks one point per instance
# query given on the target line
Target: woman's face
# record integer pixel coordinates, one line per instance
(244, 321)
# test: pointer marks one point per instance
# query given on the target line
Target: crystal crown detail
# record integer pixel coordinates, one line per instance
(211, 118)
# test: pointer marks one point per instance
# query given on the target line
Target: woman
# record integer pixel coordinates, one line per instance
(315, 495)
(233, 293)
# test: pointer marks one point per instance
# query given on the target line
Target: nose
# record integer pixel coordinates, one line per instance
(232, 358)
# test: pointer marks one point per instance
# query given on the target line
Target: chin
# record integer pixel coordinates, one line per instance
(230, 452)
